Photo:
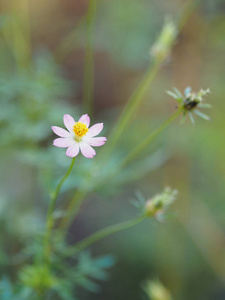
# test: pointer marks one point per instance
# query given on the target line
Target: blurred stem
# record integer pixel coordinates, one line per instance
(88, 87)
(16, 33)
(72, 209)
(103, 233)
(132, 105)
(145, 143)
(50, 219)
(21, 37)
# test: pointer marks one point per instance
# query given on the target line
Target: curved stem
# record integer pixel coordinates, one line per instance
(140, 147)
(50, 220)
(103, 233)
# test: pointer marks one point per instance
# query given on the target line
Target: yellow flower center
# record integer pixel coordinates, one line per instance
(80, 129)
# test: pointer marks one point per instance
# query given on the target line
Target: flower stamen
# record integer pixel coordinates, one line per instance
(80, 129)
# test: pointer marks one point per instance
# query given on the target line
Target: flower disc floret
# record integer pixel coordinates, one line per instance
(80, 129)
(79, 136)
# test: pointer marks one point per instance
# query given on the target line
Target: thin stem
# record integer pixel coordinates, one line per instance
(132, 105)
(145, 143)
(103, 233)
(72, 209)
(21, 39)
(50, 220)
(88, 88)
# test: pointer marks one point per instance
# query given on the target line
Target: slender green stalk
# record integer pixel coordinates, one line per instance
(132, 105)
(50, 220)
(103, 233)
(88, 87)
(72, 209)
(147, 141)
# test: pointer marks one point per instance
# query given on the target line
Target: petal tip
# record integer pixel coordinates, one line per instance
(66, 116)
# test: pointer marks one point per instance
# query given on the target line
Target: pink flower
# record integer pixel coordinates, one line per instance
(79, 136)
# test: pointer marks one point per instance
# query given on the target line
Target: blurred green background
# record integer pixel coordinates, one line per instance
(41, 73)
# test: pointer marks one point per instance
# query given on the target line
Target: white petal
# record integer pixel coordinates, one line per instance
(96, 141)
(85, 120)
(73, 150)
(95, 129)
(63, 142)
(61, 132)
(87, 150)
(69, 122)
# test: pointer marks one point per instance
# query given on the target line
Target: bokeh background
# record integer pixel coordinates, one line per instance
(41, 78)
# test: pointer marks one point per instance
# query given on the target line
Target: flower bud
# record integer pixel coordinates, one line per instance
(158, 204)
(156, 291)
(162, 47)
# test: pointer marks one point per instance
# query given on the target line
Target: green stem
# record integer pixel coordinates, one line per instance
(50, 220)
(88, 88)
(145, 143)
(132, 105)
(72, 210)
(103, 233)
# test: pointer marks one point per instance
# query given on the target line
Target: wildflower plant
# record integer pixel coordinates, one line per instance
(53, 268)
